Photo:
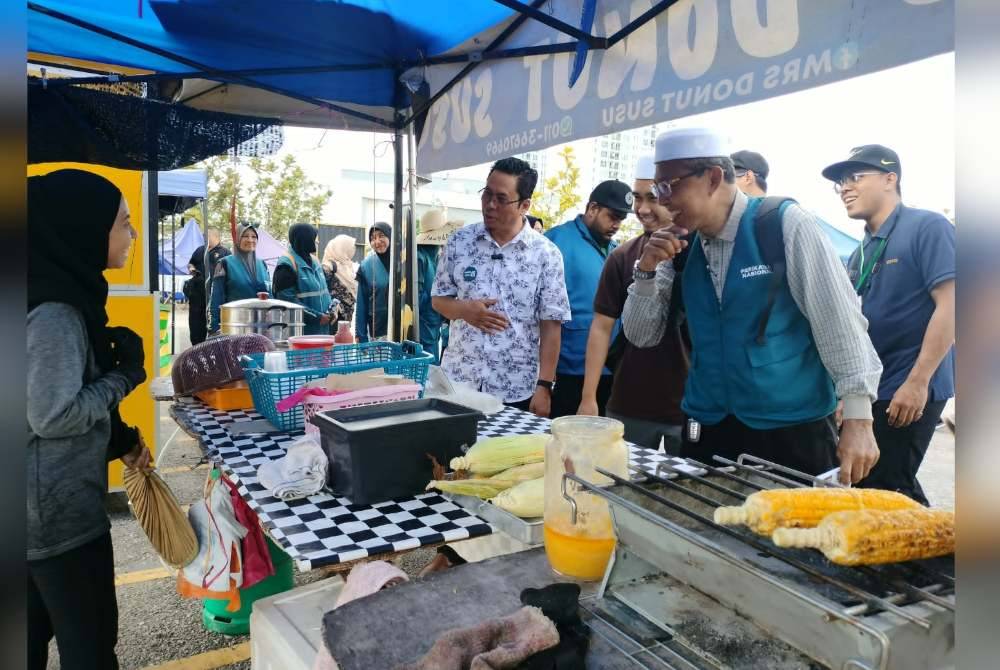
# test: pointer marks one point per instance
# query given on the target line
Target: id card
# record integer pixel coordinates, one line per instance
(693, 430)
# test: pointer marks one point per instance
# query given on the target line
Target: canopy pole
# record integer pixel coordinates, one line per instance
(396, 302)
(173, 282)
(411, 231)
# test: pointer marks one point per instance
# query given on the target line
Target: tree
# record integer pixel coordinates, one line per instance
(274, 194)
(558, 194)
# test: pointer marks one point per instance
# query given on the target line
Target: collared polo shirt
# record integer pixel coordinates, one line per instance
(919, 254)
(526, 278)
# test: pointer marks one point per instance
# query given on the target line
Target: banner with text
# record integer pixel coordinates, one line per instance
(698, 56)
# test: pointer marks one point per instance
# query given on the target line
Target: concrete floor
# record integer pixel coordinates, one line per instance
(157, 626)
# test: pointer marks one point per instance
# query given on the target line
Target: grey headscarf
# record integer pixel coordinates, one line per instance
(248, 258)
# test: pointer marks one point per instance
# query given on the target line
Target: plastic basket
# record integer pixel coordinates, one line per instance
(269, 388)
(373, 396)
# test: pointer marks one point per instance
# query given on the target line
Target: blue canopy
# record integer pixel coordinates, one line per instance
(842, 242)
(174, 255)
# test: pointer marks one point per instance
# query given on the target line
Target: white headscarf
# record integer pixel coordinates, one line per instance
(340, 251)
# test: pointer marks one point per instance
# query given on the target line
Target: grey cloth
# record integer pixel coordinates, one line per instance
(69, 404)
(819, 286)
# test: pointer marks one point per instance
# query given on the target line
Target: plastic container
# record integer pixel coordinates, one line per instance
(301, 342)
(580, 549)
(381, 452)
(286, 630)
(344, 334)
(231, 396)
(361, 398)
(268, 388)
(213, 612)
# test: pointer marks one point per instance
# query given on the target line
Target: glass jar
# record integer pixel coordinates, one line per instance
(344, 334)
(579, 443)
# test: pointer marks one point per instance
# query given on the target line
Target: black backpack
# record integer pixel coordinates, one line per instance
(771, 242)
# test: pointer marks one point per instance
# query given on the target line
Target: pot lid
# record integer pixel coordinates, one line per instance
(257, 303)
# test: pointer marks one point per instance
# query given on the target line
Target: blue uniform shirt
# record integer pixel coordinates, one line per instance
(919, 254)
(583, 261)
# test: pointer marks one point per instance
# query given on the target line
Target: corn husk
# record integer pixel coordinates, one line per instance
(480, 488)
(526, 500)
(522, 473)
(496, 454)
(161, 517)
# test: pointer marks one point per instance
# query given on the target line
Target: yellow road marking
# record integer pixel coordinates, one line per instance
(142, 576)
(208, 660)
(181, 468)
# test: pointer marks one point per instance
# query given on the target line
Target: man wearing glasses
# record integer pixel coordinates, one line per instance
(585, 243)
(751, 173)
(768, 391)
(501, 285)
(904, 272)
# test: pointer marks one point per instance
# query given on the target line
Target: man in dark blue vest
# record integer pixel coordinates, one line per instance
(769, 360)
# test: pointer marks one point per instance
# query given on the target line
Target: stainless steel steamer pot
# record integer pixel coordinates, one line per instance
(275, 319)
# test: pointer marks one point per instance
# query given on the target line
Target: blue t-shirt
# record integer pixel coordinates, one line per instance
(919, 254)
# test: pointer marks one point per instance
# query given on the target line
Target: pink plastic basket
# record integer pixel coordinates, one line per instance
(373, 396)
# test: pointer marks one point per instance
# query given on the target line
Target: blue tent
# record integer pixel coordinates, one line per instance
(175, 252)
(842, 242)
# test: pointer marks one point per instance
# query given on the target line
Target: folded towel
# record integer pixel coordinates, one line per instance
(301, 473)
(369, 578)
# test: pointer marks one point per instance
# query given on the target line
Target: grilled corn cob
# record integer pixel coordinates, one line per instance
(866, 537)
(522, 473)
(764, 511)
(481, 488)
(525, 500)
(496, 454)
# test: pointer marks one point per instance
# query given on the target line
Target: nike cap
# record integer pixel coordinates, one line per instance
(867, 155)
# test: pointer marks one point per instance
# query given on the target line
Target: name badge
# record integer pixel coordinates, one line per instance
(469, 273)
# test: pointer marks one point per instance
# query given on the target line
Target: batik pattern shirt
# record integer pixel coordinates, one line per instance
(525, 277)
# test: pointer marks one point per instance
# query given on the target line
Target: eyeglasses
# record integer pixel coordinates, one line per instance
(486, 195)
(851, 178)
(664, 189)
(741, 173)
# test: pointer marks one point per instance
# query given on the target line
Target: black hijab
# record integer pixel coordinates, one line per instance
(302, 240)
(387, 229)
(70, 215)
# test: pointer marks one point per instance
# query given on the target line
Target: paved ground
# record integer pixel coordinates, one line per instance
(157, 626)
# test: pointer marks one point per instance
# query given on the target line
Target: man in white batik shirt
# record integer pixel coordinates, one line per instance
(502, 286)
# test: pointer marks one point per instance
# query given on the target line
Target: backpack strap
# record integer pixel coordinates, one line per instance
(771, 242)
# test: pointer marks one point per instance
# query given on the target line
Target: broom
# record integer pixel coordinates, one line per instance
(161, 517)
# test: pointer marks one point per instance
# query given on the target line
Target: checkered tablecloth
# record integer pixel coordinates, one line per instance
(326, 530)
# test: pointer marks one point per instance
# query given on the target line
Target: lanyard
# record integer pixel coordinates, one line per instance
(866, 272)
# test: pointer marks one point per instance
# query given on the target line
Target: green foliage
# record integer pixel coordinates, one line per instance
(558, 194)
(275, 194)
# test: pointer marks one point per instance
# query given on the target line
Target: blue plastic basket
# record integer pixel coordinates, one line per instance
(269, 388)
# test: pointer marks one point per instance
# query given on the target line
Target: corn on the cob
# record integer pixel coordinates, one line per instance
(525, 500)
(866, 537)
(522, 473)
(764, 511)
(480, 488)
(497, 454)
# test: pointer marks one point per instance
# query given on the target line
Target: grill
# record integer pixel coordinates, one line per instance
(684, 592)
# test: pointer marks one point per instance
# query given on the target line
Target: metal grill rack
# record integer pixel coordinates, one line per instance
(684, 592)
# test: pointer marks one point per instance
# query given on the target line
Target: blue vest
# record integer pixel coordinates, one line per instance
(430, 320)
(781, 382)
(310, 291)
(371, 312)
(583, 262)
(237, 286)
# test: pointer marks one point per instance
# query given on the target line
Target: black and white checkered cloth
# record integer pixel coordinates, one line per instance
(326, 530)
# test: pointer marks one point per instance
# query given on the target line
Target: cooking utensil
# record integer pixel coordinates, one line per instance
(275, 319)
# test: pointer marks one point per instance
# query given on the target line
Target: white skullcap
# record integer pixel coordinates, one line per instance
(681, 143)
(645, 168)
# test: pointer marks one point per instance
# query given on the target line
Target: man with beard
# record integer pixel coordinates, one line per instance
(648, 383)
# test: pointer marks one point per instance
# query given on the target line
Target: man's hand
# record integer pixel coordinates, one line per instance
(139, 457)
(541, 402)
(588, 407)
(663, 245)
(477, 313)
(907, 404)
(857, 450)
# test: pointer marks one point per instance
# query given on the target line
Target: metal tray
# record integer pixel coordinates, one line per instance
(526, 531)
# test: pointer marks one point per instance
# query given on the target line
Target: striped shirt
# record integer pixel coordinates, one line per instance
(819, 285)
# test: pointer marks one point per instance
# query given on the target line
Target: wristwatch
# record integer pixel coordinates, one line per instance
(544, 383)
(642, 274)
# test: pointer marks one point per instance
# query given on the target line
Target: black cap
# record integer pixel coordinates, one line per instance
(614, 195)
(751, 160)
(867, 155)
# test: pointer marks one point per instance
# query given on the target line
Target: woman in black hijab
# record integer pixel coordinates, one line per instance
(299, 278)
(79, 370)
(372, 308)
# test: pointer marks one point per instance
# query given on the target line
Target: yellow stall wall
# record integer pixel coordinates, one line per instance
(130, 303)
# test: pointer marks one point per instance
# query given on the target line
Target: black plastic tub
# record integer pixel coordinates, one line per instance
(379, 452)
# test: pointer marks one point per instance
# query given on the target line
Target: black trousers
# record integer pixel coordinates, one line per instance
(569, 390)
(902, 450)
(197, 320)
(72, 596)
(807, 447)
